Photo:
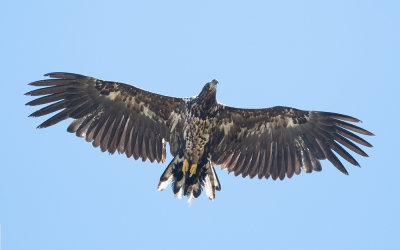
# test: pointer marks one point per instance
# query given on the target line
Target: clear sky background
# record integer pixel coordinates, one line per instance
(57, 192)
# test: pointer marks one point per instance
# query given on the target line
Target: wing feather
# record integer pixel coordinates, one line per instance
(290, 161)
(297, 162)
(260, 171)
(151, 147)
(282, 163)
(62, 115)
(46, 99)
(49, 109)
(144, 148)
(350, 127)
(158, 147)
(106, 142)
(347, 143)
(270, 155)
(92, 127)
(50, 82)
(249, 162)
(123, 141)
(274, 161)
(344, 154)
(83, 128)
(130, 140)
(255, 163)
(100, 131)
(352, 137)
(116, 135)
(239, 164)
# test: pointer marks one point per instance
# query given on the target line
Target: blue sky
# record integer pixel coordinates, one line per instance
(57, 192)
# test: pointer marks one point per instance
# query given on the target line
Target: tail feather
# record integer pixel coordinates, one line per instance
(183, 185)
(168, 175)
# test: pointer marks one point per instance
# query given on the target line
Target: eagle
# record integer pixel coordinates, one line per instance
(274, 142)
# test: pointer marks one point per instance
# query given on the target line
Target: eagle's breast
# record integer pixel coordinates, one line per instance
(197, 133)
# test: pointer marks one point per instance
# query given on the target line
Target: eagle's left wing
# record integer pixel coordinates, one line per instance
(280, 141)
(115, 116)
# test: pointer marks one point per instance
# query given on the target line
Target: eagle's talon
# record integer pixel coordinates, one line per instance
(193, 169)
(185, 166)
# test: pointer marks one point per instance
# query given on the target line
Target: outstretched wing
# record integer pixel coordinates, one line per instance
(280, 141)
(115, 116)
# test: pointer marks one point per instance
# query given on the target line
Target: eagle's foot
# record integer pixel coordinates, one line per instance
(185, 166)
(193, 169)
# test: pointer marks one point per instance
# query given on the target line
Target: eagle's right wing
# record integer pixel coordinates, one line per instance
(280, 141)
(115, 116)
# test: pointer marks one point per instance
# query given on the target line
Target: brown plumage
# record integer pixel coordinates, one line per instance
(273, 142)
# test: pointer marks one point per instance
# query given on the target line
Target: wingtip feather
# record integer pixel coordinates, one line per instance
(341, 117)
(63, 75)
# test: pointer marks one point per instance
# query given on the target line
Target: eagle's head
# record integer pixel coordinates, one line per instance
(208, 93)
(210, 87)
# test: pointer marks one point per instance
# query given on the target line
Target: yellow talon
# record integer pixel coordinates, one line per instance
(193, 169)
(185, 167)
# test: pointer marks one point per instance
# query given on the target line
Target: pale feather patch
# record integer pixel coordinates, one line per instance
(164, 150)
(146, 111)
(191, 198)
(215, 180)
(303, 165)
(163, 184)
(113, 95)
(290, 123)
(85, 129)
(226, 127)
(175, 117)
(179, 194)
(209, 189)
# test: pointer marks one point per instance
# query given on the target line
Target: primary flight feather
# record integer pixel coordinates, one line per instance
(272, 142)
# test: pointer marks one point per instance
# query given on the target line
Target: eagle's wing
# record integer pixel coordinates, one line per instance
(115, 116)
(280, 141)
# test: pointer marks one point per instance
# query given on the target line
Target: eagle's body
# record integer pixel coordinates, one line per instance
(272, 142)
(199, 125)
(200, 120)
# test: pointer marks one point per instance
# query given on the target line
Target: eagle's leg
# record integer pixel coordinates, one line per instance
(193, 169)
(185, 166)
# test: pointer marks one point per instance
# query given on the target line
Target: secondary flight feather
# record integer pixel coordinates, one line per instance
(275, 142)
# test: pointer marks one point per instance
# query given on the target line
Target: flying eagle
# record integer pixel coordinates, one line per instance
(271, 142)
